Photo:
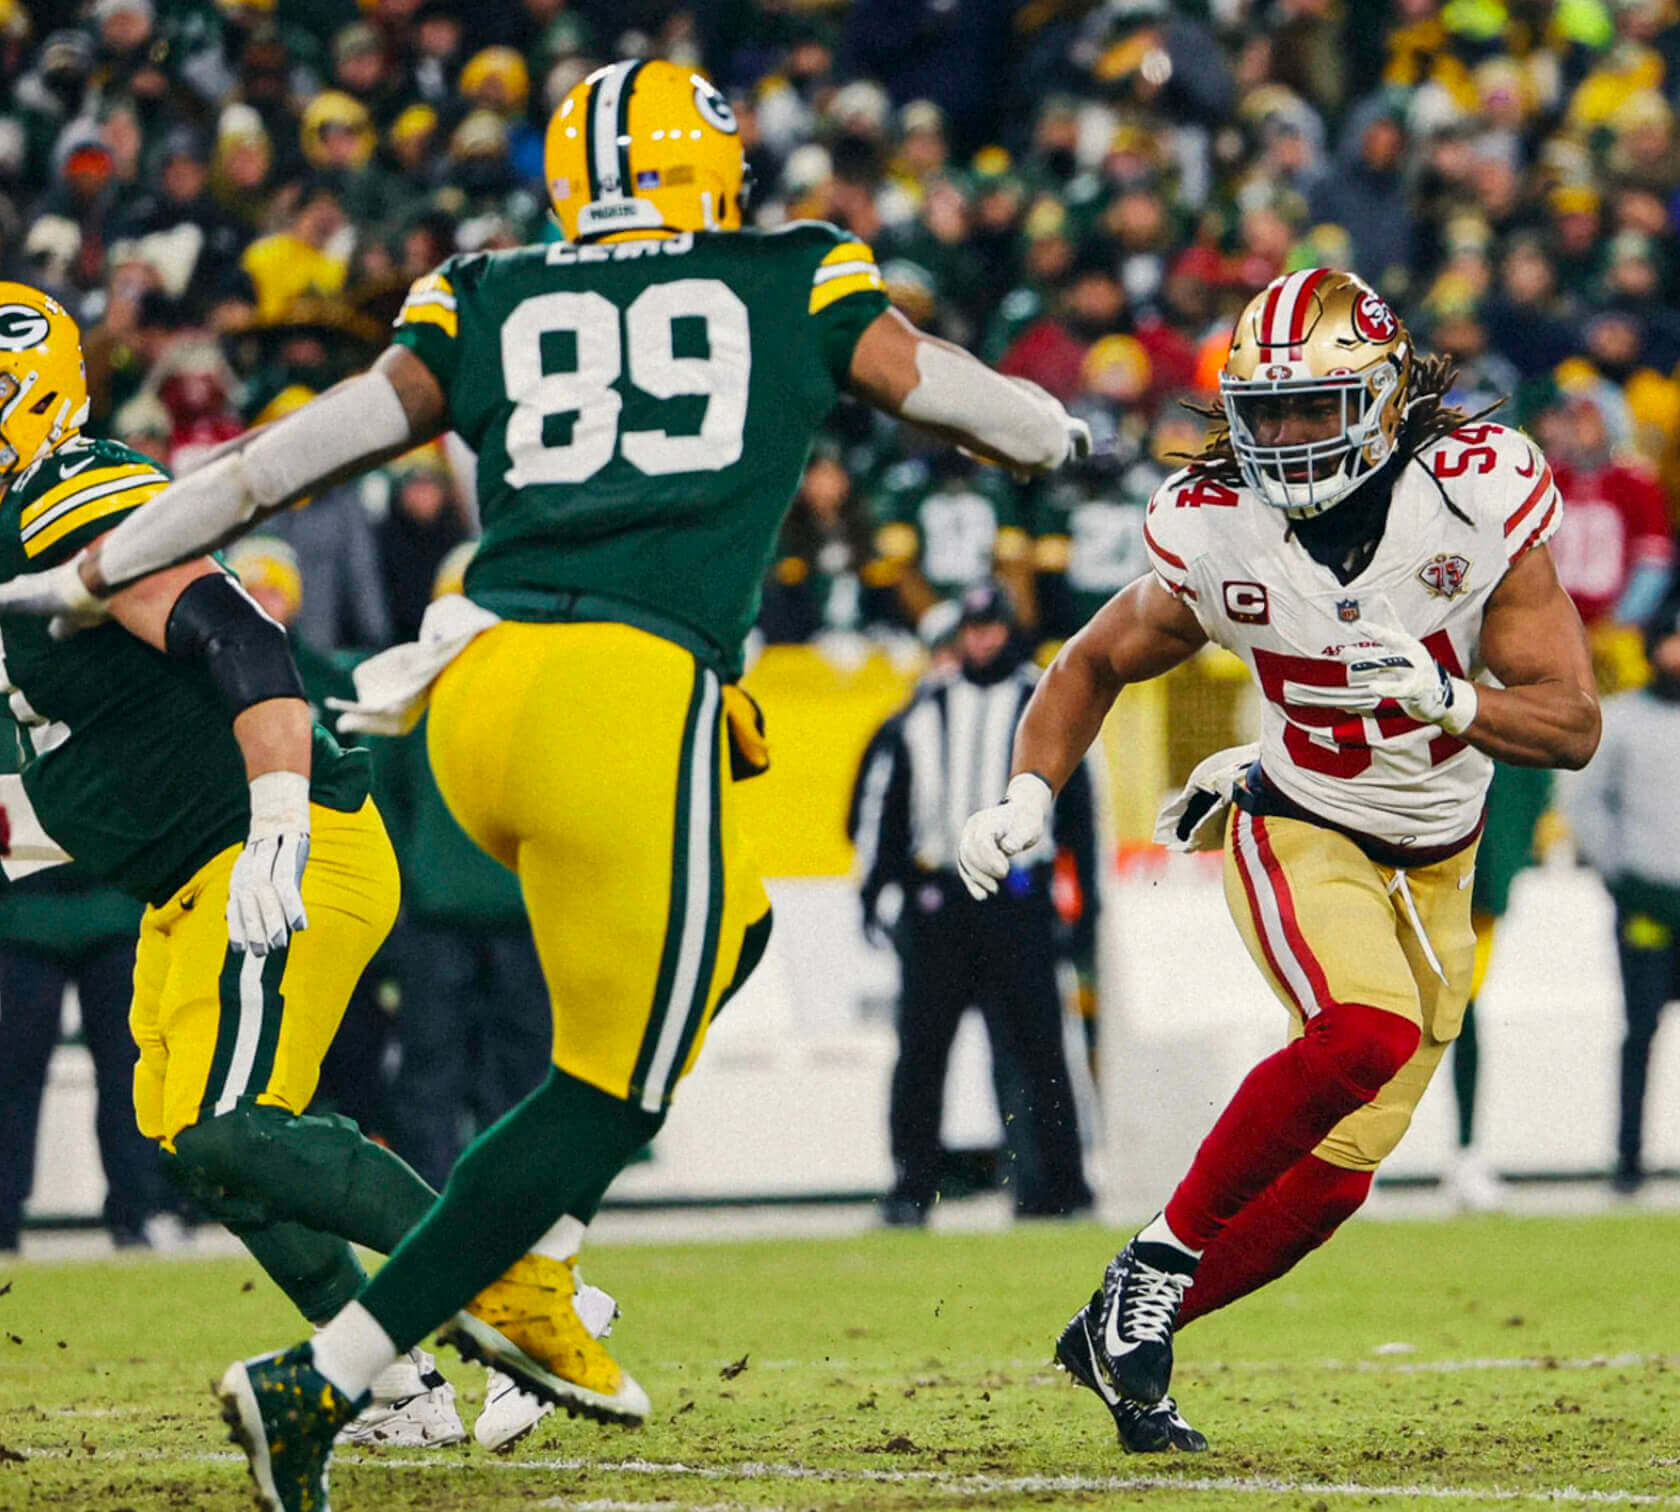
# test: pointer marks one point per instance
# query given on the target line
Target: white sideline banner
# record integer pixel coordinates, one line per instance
(790, 1096)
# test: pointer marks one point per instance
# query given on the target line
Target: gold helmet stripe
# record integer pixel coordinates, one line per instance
(607, 131)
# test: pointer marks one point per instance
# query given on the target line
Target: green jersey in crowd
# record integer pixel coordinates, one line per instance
(129, 759)
(954, 521)
(642, 412)
(1088, 539)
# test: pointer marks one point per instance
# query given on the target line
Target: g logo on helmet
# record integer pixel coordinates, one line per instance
(1373, 319)
(21, 327)
(713, 108)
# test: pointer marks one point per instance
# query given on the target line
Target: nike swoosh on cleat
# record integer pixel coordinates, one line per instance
(1111, 1334)
(1466, 880)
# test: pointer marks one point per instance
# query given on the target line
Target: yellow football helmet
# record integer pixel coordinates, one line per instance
(43, 379)
(1319, 342)
(644, 146)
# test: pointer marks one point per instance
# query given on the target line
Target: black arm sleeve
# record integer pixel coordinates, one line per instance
(217, 622)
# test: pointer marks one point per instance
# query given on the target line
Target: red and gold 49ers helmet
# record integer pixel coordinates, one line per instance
(1315, 388)
(43, 380)
(644, 146)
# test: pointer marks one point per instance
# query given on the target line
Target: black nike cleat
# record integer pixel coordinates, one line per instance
(1158, 1429)
(1142, 1290)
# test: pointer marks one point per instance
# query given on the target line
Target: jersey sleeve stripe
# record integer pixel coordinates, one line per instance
(823, 295)
(847, 251)
(1539, 491)
(86, 513)
(829, 271)
(431, 312)
(1159, 550)
(100, 479)
(1540, 532)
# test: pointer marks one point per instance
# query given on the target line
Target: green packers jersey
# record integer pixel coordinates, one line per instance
(955, 529)
(1090, 532)
(642, 411)
(129, 757)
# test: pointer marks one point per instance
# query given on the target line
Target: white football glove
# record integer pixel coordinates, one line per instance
(1193, 819)
(994, 835)
(265, 898)
(1398, 667)
(58, 593)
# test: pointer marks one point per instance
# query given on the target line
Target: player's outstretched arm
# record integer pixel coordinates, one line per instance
(1140, 633)
(1547, 713)
(955, 396)
(198, 613)
(355, 425)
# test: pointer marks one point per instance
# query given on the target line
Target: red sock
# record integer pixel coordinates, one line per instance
(1284, 1107)
(1283, 1225)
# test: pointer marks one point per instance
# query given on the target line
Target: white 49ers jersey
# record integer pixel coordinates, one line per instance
(1463, 510)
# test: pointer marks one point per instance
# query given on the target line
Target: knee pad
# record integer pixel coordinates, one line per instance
(1361, 1047)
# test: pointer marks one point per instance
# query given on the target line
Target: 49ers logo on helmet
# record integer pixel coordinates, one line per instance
(1373, 319)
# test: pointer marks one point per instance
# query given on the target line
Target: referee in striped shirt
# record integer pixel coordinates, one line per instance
(925, 771)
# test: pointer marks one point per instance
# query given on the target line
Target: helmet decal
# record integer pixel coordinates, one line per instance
(1373, 319)
(713, 108)
(21, 327)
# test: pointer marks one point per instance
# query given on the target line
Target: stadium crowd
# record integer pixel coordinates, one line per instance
(233, 199)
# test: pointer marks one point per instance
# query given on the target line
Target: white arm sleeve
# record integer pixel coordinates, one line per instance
(362, 418)
(1018, 422)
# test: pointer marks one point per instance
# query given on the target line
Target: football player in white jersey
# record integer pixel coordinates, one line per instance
(1380, 563)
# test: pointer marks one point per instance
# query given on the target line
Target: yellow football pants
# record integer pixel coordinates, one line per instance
(1326, 924)
(217, 1028)
(592, 759)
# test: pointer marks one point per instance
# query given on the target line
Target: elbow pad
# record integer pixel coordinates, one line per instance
(217, 622)
(1016, 421)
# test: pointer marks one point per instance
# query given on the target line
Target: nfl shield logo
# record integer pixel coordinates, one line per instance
(1347, 610)
(1445, 576)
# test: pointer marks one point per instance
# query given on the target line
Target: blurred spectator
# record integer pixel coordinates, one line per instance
(1622, 811)
(343, 599)
(826, 578)
(944, 524)
(1366, 194)
(1614, 550)
(201, 392)
(424, 520)
(311, 256)
(1051, 351)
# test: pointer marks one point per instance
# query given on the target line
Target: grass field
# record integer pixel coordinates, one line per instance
(1478, 1362)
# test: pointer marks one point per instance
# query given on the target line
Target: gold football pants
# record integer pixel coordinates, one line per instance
(592, 759)
(218, 1028)
(1326, 924)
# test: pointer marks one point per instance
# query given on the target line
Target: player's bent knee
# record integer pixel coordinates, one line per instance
(1363, 1047)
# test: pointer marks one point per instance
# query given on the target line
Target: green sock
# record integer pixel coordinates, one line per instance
(319, 1272)
(553, 1154)
(1466, 1059)
(315, 1169)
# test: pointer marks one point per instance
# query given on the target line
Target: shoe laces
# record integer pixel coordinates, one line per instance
(1148, 1300)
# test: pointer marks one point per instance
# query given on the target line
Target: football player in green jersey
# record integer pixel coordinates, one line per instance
(642, 397)
(171, 753)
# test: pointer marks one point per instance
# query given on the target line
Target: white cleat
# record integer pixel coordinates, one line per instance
(510, 1413)
(413, 1407)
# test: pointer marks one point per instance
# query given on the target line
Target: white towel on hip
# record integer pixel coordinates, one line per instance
(394, 687)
